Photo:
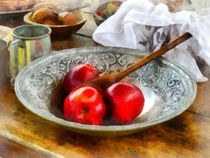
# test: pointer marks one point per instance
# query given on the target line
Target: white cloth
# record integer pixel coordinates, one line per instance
(139, 24)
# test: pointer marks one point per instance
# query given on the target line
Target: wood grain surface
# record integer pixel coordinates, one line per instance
(10, 149)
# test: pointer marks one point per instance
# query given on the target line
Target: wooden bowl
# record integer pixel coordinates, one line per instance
(61, 31)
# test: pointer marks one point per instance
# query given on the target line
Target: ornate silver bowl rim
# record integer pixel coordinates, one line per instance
(103, 130)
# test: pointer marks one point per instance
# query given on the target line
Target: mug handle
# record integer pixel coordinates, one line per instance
(18, 53)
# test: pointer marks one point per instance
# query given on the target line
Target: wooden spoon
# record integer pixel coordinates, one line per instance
(102, 82)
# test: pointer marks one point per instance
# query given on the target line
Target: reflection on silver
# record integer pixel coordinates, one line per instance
(152, 105)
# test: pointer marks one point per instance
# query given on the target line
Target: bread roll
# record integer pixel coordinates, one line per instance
(67, 18)
(45, 13)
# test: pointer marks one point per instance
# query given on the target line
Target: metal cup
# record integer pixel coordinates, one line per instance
(29, 43)
(4, 63)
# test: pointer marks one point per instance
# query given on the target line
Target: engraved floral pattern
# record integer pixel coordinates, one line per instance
(155, 75)
(164, 82)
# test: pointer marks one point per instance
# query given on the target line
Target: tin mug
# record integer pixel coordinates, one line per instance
(4, 63)
(29, 42)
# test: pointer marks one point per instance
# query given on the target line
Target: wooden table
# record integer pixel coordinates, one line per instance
(23, 134)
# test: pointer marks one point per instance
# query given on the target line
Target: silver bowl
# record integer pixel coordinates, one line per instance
(168, 90)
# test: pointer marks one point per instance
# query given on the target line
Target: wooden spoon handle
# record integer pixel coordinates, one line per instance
(154, 55)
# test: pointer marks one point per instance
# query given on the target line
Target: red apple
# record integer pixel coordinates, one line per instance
(84, 105)
(125, 101)
(78, 75)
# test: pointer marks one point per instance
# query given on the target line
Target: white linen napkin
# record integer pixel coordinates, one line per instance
(139, 24)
